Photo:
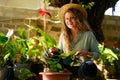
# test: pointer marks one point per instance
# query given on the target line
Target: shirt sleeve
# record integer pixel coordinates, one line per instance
(94, 46)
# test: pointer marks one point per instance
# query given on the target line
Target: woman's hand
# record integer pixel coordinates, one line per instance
(83, 53)
(53, 50)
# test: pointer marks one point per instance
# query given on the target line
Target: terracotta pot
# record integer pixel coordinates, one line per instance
(55, 75)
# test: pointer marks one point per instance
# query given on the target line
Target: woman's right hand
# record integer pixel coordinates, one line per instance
(83, 53)
(80, 53)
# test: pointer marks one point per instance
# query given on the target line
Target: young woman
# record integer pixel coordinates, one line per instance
(77, 36)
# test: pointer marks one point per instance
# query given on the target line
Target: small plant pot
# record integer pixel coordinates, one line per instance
(55, 75)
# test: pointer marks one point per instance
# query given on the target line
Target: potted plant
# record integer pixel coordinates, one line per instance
(17, 52)
(13, 51)
(53, 68)
(106, 62)
(5, 60)
(9, 48)
(3, 51)
(3, 41)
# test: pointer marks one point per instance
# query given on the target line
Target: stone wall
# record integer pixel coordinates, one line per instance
(52, 29)
(14, 18)
(110, 25)
(14, 24)
(111, 28)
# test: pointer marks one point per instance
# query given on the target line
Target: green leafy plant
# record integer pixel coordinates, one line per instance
(3, 51)
(25, 74)
(54, 63)
(58, 60)
(107, 55)
(45, 42)
(12, 45)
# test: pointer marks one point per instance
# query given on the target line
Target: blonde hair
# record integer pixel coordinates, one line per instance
(66, 31)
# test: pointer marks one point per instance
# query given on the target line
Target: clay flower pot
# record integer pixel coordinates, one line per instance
(55, 75)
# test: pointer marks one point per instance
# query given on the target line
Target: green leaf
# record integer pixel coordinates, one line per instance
(59, 66)
(3, 40)
(47, 2)
(109, 51)
(6, 57)
(25, 74)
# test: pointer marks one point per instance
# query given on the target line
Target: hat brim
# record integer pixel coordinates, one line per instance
(64, 8)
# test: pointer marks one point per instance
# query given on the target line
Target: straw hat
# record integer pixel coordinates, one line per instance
(64, 8)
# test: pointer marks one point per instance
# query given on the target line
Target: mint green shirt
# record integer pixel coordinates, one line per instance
(85, 41)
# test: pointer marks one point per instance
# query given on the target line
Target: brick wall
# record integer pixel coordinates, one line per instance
(51, 28)
(111, 28)
(110, 25)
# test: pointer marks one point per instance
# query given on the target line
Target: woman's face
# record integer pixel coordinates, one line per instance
(70, 20)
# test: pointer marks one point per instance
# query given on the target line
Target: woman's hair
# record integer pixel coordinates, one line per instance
(66, 31)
